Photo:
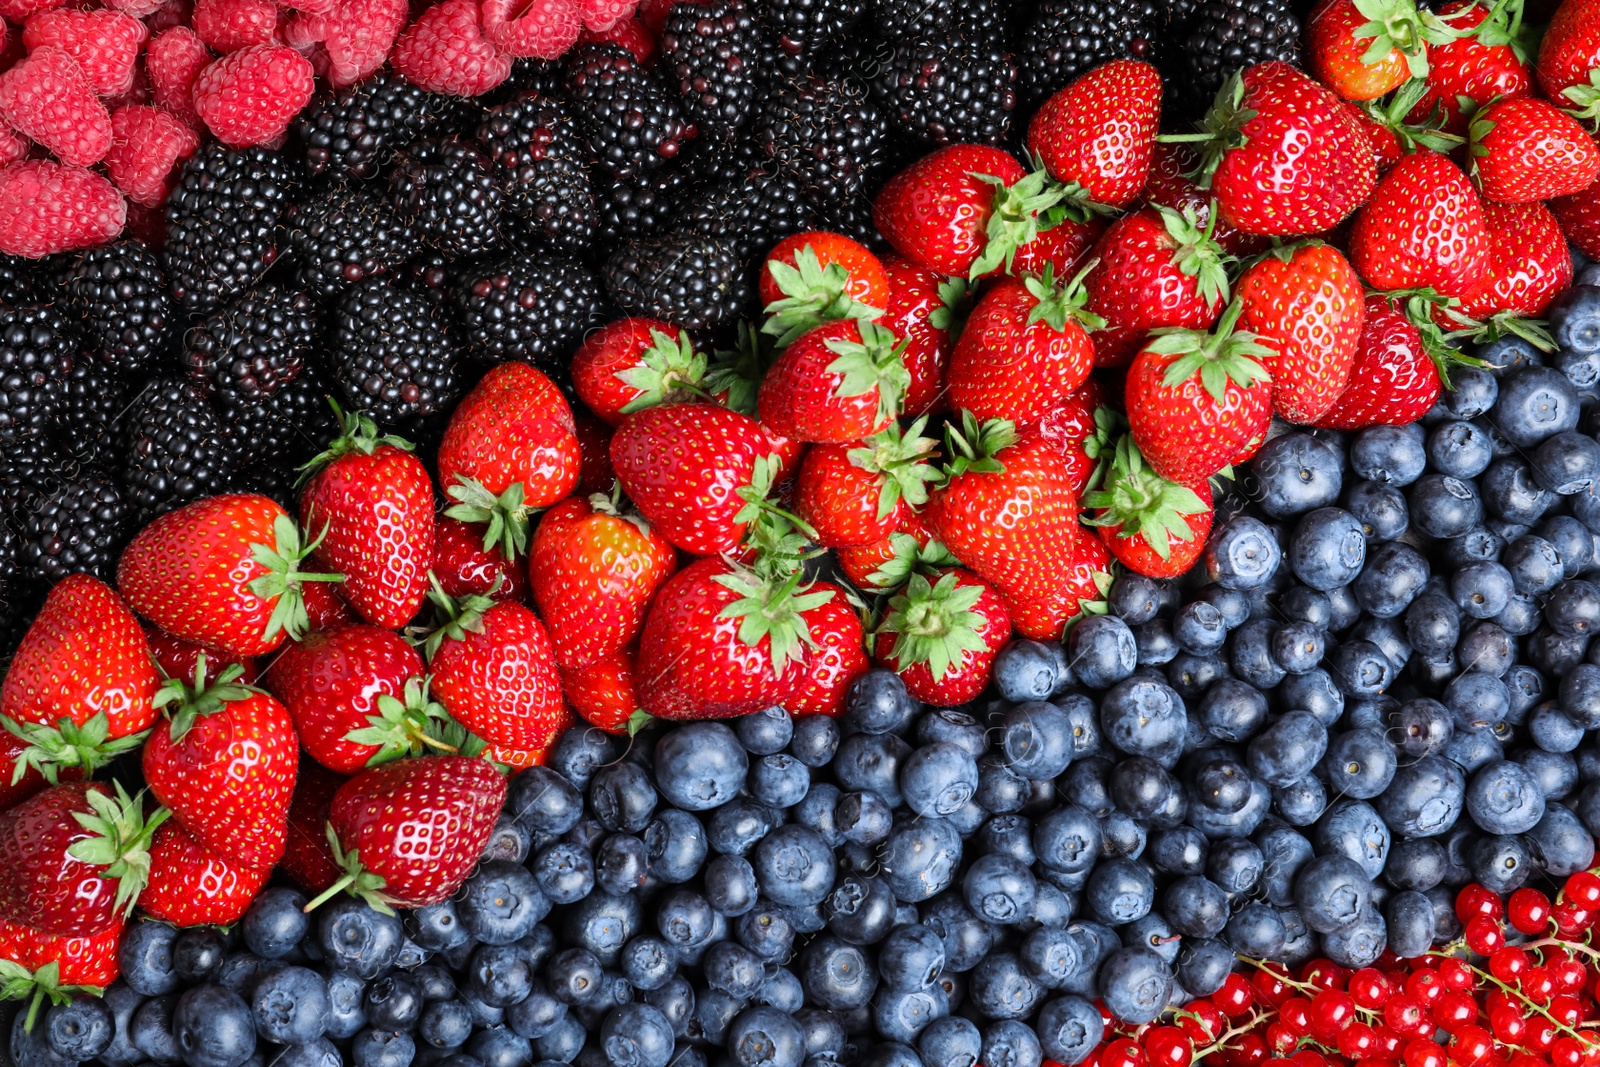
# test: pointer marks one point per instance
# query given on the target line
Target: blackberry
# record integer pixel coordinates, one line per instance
(694, 281)
(30, 471)
(78, 529)
(17, 279)
(542, 76)
(444, 189)
(542, 167)
(712, 56)
(343, 235)
(632, 125)
(823, 132)
(953, 90)
(178, 449)
(222, 222)
(800, 28)
(530, 309)
(751, 213)
(90, 421)
(641, 206)
(1068, 37)
(37, 350)
(252, 348)
(390, 354)
(284, 430)
(1224, 35)
(119, 297)
(910, 20)
(353, 132)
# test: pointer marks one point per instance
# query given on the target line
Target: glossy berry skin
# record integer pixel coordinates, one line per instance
(801, 397)
(1099, 131)
(307, 857)
(602, 692)
(1137, 286)
(82, 961)
(190, 885)
(1135, 552)
(1309, 310)
(1086, 578)
(1185, 433)
(1468, 68)
(969, 674)
(1337, 56)
(613, 350)
(1423, 228)
(1569, 49)
(1392, 380)
(913, 300)
(1529, 149)
(1069, 428)
(868, 285)
(1006, 367)
(936, 214)
(839, 500)
(500, 681)
(1529, 261)
(838, 659)
(42, 884)
(1170, 185)
(514, 427)
(465, 567)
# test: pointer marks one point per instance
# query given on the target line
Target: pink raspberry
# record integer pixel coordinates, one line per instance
(444, 51)
(105, 43)
(169, 14)
(48, 97)
(251, 96)
(351, 41)
(603, 14)
(147, 145)
(174, 59)
(48, 207)
(631, 34)
(313, 7)
(13, 146)
(19, 10)
(541, 29)
(654, 13)
(229, 25)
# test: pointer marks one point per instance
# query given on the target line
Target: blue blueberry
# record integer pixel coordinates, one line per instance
(999, 987)
(356, 938)
(766, 1037)
(533, 1016)
(1203, 965)
(79, 1029)
(212, 1027)
(1503, 798)
(1352, 828)
(197, 952)
(1361, 669)
(766, 932)
(1552, 730)
(500, 902)
(1425, 798)
(779, 781)
(1361, 944)
(872, 762)
(951, 1041)
(578, 753)
(1390, 454)
(145, 957)
(1136, 598)
(382, 1048)
(497, 975)
(815, 740)
(1069, 1029)
(1119, 891)
(877, 702)
(1135, 984)
(700, 766)
(1288, 748)
(764, 732)
(1380, 509)
(1101, 651)
(1242, 553)
(1295, 473)
(921, 859)
(837, 975)
(636, 1035)
(1000, 889)
(1036, 738)
(346, 1004)
(938, 779)
(1010, 1043)
(1327, 549)
(1575, 319)
(1028, 670)
(1409, 918)
(910, 958)
(1257, 930)
(860, 909)
(1360, 763)
(735, 827)
(795, 866)
(1331, 892)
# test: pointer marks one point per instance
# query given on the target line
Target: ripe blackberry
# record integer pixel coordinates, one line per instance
(90, 422)
(353, 132)
(119, 297)
(694, 281)
(343, 235)
(632, 125)
(712, 56)
(444, 189)
(1224, 35)
(222, 222)
(641, 206)
(30, 471)
(1068, 37)
(953, 90)
(17, 279)
(37, 349)
(390, 354)
(252, 348)
(825, 132)
(530, 309)
(751, 213)
(542, 167)
(178, 449)
(800, 28)
(910, 20)
(78, 529)
(285, 429)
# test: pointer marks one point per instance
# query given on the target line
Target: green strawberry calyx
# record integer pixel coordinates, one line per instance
(356, 880)
(901, 458)
(455, 618)
(955, 301)
(1394, 112)
(1017, 213)
(1585, 101)
(772, 609)
(812, 294)
(1221, 131)
(910, 557)
(934, 623)
(283, 579)
(1059, 304)
(974, 447)
(668, 371)
(736, 374)
(407, 725)
(358, 436)
(1501, 27)
(66, 744)
(1198, 255)
(778, 538)
(877, 361)
(1141, 502)
(1219, 357)
(19, 983)
(118, 841)
(504, 516)
(184, 702)
(1398, 26)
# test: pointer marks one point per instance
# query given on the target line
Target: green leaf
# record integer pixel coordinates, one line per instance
(453, 619)
(1585, 101)
(901, 458)
(669, 368)
(934, 623)
(283, 578)
(812, 295)
(736, 373)
(358, 435)
(772, 610)
(1142, 503)
(402, 726)
(50, 748)
(505, 517)
(1016, 216)
(355, 880)
(119, 841)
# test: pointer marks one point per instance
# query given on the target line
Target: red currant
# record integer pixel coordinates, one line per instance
(1509, 963)
(1475, 900)
(1422, 1053)
(1471, 1044)
(1167, 1046)
(1325, 974)
(1508, 1024)
(1203, 1022)
(1425, 986)
(1295, 1013)
(1571, 918)
(1236, 996)
(1358, 1041)
(1454, 1010)
(1370, 988)
(1566, 1008)
(1281, 1039)
(1251, 1052)
(1522, 1059)
(1403, 1013)
(1537, 985)
(1484, 935)
(1456, 974)
(1309, 1057)
(1332, 1010)
(1569, 973)
(1541, 1034)
(1123, 1052)
(1583, 889)
(1528, 910)
(1389, 1043)
(1566, 1051)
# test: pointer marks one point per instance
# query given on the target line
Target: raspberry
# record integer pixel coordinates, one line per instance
(13, 146)
(48, 97)
(20, 10)
(230, 25)
(541, 29)
(174, 59)
(165, 15)
(444, 51)
(48, 207)
(105, 43)
(631, 34)
(313, 7)
(603, 14)
(351, 41)
(147, 145)
(251, 96)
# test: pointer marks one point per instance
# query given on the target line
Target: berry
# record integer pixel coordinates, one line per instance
(48, 207)
(530, 309)
(389, 353)
(353, 131)
(48, 98)
(632, 125)
(222, 222)
(106, 44)
(249, 97)
(446, 51)
(148, 144)
(344, 235)
(542, 168)
(444, 189)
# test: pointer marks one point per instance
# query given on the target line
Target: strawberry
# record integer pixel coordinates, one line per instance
(855, 494)
(1362, 49)
(812, 278)
(177, 658)
(941, 637)
(1530, 266)
(408, 833)
(74, 858)
(79, 687)
(837, 382)
(1076, 430)
(602, 692)
(1422, 229)
(1170, 186)
(1006, 507)
(1393, 380)
(1195, 400)
(1097, 134)
(723, 640)
(593, 572)
(494, 672)
(888, 563)
(1155, 527)
(20, 777)
(465, 567)
(510, 448)
(324, 607)
(1529, 149)
(1569, 55)
(223, 571)
(594, 443)
(635, 363)
(1397, 126)
(307, 857)
(922, 309)
(1155, 268)
(36, 966)
(1062, 245)
(1281, 154)
(835, 661)
(225, 764)
(1476, 67)
(192, 886)
(1088, 582)
(691, 470)
(1305, 304)
(1579, 216)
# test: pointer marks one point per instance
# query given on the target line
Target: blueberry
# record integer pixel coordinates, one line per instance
(1295, 473)
(921, 859)
(1327, 549)
(356, 938)
(1552, 730)
(1102, 651)
(497, 975)
(1009, 1043)
(212, 1027)
(1242, 553)
(700, 766)
(836, 975)
(1258, 931)
(1069, 1029)
(1425, 798)
(675, 843)
(816, 738)
(197, 952)
(500, 902)
(636, 1035)
(1288, 748)
(1232, 710)
(563, 1041)
(1409, 919)
(291, 1006)
(1119, 891)
(765, 732)
(380, 1048)
(574, 976)
(1179, 850)
(577, 754)
(1300, 803)
(1284, 851)
(564, 872)
(765, 932)
(1503, 798)
(1236, 865)
(1036, 738)
(534, 1015)
(1028, 670)
(1135, 598)
(1534, 405)
(675, 1001)
(79, 1029)
(910, 958)
(1361, 944)
(877, 702)
(1560, 843)
(872, 762)
(1390, 454)
(1154, 644)
(860, 909)
(275, 923)
(1351, 828)
(1123, 835)
(1575, 319)
(1313, 691)
(1135, 983)
(150, 1030)
(1143, 717)
(938, 779)
(1360, 763)
(999, 889)
(497, 1046)
(145, 957)
(346, 1003)
(1481, 590)
(1443, 507)
(1574, 542)
(323, 1053)
(951, 1041)
(794, 865)
(903, 1016)
(621, 796)
(1001, 988)
(1222, 784)
(1297, 647)
(1331, 892)
(1195, 906)
(1361, 669)
(1067, 840)
(766, 1037)
(1141, 787)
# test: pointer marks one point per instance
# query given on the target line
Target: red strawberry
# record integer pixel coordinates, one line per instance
(225, 764)
(493, 670)
(1007, 508)
(1529, 149)
(1088, 582)
(1569, 54)
(1155, 268)
(307, 856)
(865, 565)
(1097, 134)
(594, 442)
(1170, 186)
(835, 662)
(1305, 305)
(19, 777)
(1422, 229)
(941, 637)
(602, 692)
(1393, 381)
(593, 572)
(923, 307)
(1076, 430)
(36, 966)
(722, 640)
(465, 567)
(510, 448)
(854, 495)
(1061, 248)
(812, 278)
(1579, 216)
(79, 687)
(178, 658)
(1195, 400)
(369, 509)
(1282, 155)
(1531, 265)
(408, 833)
(1476, 67)
(192, 886)
(635, 363)
(837, 382)
(223, 571)
(1362, 49)
(74, 858)
(1155, 527)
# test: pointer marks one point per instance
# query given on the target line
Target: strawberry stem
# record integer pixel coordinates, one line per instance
(120, 841)
(877, 361)
(1139, 501)
(403, 727)
(356, 880)
(457, 618)
(812, 294)
(358, 436)
(934, 623)
(19, 983)
(669, 370)
(504, 517)
(1058, 303)
(1219, 356)
(973, 446)
(1018, 212)
(187, 702)
(901, 459)
(773, 609)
